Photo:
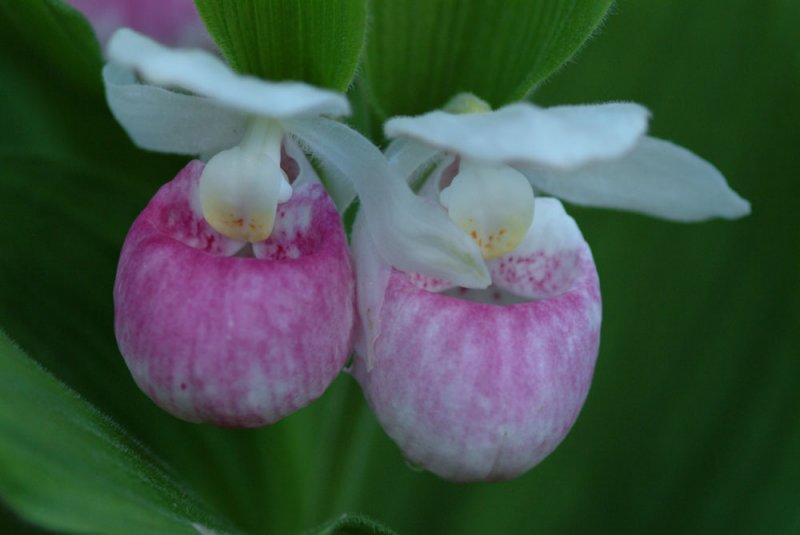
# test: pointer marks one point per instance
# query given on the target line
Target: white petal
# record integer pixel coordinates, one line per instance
(410, 233)
(444, 172)
(202, 73)
(657, 178)
(161, 120)
(411, 159)
(493, 204)
(306, 173)
(341, 191)
(372, 278)
(564, 137)
(548, 261)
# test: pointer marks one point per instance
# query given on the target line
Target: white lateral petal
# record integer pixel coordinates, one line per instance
(548, 261)
(563, 137)
(305, 171)
(341, 191)
(410, 233)
(444, 173)
(372, 278)
(657, 178)
(410, 158)
(161, 120)
(202, 73)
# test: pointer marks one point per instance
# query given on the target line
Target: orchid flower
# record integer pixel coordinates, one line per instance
(234, 297)
(234, 290)
(482, 384)
(175, 22)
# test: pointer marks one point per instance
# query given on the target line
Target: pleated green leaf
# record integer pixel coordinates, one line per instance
(423, 52)
(314, 41)
(66, 466)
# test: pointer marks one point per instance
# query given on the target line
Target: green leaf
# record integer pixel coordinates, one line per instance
(66, 466)
(71, 184)
(46, 107)
(350, 524)
(56, 274)
(59, 36)
(314, 41)
(690, 425)
(63, 229)
(423, 52)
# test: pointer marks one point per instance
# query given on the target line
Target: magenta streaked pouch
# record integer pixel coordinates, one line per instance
(484, 384)
(480, 378)
(218, 331)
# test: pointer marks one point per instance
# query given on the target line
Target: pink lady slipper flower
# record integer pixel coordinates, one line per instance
(174, 22)
(234, 296)
(482, 384)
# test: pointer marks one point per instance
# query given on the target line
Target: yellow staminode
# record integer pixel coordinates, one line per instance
(491, 203)
(240, 188)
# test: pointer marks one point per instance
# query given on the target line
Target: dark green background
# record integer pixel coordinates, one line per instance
(692, 422)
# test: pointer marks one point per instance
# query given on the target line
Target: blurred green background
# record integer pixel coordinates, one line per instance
(692, 421)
